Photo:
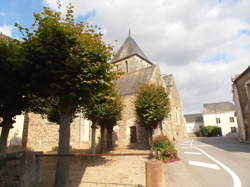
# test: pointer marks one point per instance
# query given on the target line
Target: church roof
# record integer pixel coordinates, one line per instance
(128, 48)
(130, 82)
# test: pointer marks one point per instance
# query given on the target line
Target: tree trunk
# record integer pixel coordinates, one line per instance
(6, 126)
(62, 166)
(110, 138)
(93, 137)
(102, 142)
(150, 138)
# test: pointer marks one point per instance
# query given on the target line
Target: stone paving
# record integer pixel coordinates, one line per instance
(115, 171)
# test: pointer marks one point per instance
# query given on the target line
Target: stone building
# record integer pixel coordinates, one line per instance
(139, 70)
(41, 135)
(241, 97)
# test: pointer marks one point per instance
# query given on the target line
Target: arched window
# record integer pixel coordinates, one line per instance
(126, 62)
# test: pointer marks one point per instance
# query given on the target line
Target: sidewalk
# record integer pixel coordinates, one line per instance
(177, 175)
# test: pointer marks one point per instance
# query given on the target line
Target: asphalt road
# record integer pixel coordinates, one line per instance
(211, 162)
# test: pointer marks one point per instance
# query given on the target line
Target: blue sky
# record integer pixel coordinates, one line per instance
(18, 11)
(202, 42)
(21, 12)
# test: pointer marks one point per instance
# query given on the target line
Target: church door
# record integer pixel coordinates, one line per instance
(133, 135)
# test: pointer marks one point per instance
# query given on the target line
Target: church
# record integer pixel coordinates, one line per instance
(139, 70)
(34, 132)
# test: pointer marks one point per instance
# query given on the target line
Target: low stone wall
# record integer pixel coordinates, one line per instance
(41, 135)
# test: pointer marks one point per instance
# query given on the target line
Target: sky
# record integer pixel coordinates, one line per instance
(203, 43)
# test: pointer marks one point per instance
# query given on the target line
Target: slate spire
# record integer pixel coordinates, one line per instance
(128, 48)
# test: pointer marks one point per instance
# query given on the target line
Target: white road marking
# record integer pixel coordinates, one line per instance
(236, 179)
(189, 147)
(185, 144)
(204, 164)
(193, 153)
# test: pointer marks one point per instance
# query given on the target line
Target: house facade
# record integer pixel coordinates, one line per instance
(241, 97)
(194, 122)
(222, 115)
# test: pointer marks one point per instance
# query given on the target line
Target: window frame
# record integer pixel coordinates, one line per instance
(217, 120)
(247, 87)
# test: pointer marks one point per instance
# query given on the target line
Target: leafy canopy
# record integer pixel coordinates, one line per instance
(152, 105)
(12, 90)
(105, 107)
(67, 61)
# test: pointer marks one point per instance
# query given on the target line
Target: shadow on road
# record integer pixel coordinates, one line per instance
(227, 143)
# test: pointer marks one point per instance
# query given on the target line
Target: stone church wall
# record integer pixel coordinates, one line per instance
(176, 117)
(129, 119)
(133, 63)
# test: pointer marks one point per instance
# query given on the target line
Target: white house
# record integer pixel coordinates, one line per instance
(221, 115)
(193, 122)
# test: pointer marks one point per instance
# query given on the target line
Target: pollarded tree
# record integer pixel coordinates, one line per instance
(12, 90)
(67, 63)
(105, 110)
(152, 106)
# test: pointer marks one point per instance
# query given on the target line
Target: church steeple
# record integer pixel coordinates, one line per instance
(128, 48)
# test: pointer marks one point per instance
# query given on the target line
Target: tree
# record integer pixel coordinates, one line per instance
(152, 106)
(105, 110)
(68, 63)
(12, 90)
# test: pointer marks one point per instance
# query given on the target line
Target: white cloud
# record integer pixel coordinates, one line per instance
(180, 35)
(6, 29)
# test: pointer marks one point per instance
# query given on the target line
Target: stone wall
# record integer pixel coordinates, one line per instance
(41, 135)
(132, 63)
(244, 100)
(176, 118)
(129, 119)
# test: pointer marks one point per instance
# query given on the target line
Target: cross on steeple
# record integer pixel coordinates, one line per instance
(129, 32)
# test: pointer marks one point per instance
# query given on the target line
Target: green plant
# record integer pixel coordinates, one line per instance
(152, 106)
(209, 131)
(164, 148)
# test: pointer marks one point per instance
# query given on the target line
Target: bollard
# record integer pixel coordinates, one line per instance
(155, 174)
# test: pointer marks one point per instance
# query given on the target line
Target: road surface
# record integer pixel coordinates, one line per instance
(211, 162)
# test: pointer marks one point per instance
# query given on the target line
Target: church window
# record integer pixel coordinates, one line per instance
(248, 89)
(126, 62)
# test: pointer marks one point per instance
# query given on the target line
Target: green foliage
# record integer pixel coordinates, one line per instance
(152, 105)
(53, 115)
(208, 131)
(66, 61)
(164, 147)
(105, 107)
(12, 90)
(160, 143)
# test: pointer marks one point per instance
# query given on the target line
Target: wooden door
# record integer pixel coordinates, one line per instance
(133, 135)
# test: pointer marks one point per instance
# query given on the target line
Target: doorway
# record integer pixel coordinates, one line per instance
(133, 134)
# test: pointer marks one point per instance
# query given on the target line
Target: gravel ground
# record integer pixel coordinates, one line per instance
(115, 171)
